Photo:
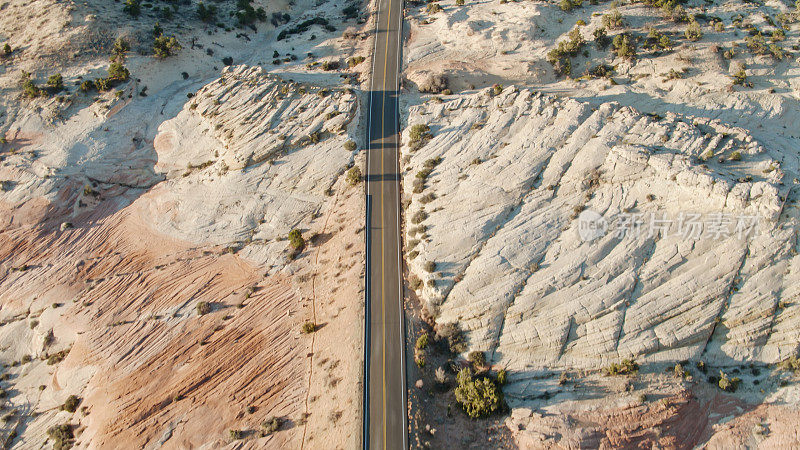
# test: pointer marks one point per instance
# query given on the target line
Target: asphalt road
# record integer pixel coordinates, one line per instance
(385, 422)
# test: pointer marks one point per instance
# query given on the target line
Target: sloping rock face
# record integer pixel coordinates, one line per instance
(515, 177)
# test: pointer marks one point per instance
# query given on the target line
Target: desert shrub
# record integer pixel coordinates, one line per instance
(740, 76)
(165, 46)
(477, 358)
(62, 436)
(791, 363)
(350, 145)
(433, 84)
(429, 266)
(246, 14)
(119, 49)
(776, 51)
(132, 8)
(502, 377)
(679, 371)
(419, 132)
(354, 61)
(422, 341)
(569, 5)
(353, 176)
(452, 334)
(719, 27)
(270, 426)
(613, 20)
(433, 8)
(414, 282)
(693, 32)
(419, 217)
(601, 71)
(601, 38)
(236, 434)
(627, 367)
(350, 12)
(624, 46)
(497, 89)
(118, 72)
(206, 13)
(71, 404)
(203, 308)
(479, 397)
(736, 155)
(330, 65)
(29, 89)
(308, 327)
(7, 51)
(296, 239)
(728, 384)
(460, 2)
(560, 56)
(55, 82)
(302, 27)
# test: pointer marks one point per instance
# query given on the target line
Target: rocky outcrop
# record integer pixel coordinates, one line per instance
(516, 174)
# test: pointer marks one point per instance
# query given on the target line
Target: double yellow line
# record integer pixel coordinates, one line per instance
(383, 225)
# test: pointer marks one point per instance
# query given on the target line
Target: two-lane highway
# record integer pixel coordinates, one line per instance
(385, 382)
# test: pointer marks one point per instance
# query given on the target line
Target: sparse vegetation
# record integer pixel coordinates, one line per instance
(627, 367)
(452, 333)
(62, 436)
(478, 396)
(624, 46)
(728, 384)
(165, 46)
(308, 327)
(613, 20)
(269, 426)
(477, 358)
(422, 342)
(296, 239)
(693, 32)
(71, 404)
(354, 176)
(350, 145)
(203, 308)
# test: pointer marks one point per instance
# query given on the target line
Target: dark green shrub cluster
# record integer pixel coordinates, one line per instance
(165, 46)
(354, 176)
(452, 334)
(601, 71)
(624, 46)
(725, 383)
(247, 15)
(422, 342)
(627, 367)
(302, 27)
(791, 363)
(740, 77)
(62, 436)
(569, 5)
(350, 145)
(693, 32)
(418, 135)
(207, 14)
(350, 11)
(308, 327)
(657, 41)
(132, 8)
(203, 308)
(71, 404)
(601, 38)
(613, 20)
(330, 65)
(7, 51)
(29, 88)
(670, 8)
(354, 61)
(478, 396)
(477, 358)
(270, 426)
(560, 56)
(296, 239)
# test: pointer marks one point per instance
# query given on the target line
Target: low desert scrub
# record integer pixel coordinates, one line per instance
(165, 46)
(627, 367)
(203, 308)
(613, 20)
(478, 396)
(350, 145)
(693, 32)
(62, 436)
(477, 358)
(452, 334)
(727, 384)
(440, 376)
(354, 176)
(296, 239)
(71, 404)
(308, 327)
(569, 5)
(560, 56)
(429, 266)
(302, 27)
(419, 217)
(270, 426)
(419, 132)
(434, 84)
(235, 434)
(422, 342)
(791, 363)
(624, 46)
(414, 282)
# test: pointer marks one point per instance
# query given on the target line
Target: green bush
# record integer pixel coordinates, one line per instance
(119, 49)
(132, 8)
(693, 32)
(71, 404)
(270, 426)
(479, 397)
(477, 358)
(206, 13)
(740, 76)
(308, 327)
(502, 377)
(419, 132)
(7, 51)
(627, 367)
(613, 19)
(29, 89)
(165, 46)
(296, 239)
(601, 38)
(117, 72)
(624, 46)
(354, 176)
(203, 308)
(350, 146)
(460, 2)
(791, 363)
(354, 61)
(728, 384)
(62, 436)
(236, 434)
(569, 5)
(422, 341)
(55, 82)
(452, 333)
(560, 56)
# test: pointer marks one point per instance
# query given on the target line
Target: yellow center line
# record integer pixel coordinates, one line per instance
(383, 227)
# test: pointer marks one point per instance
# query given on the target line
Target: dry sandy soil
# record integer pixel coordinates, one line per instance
(516, 152)
(125, 212)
